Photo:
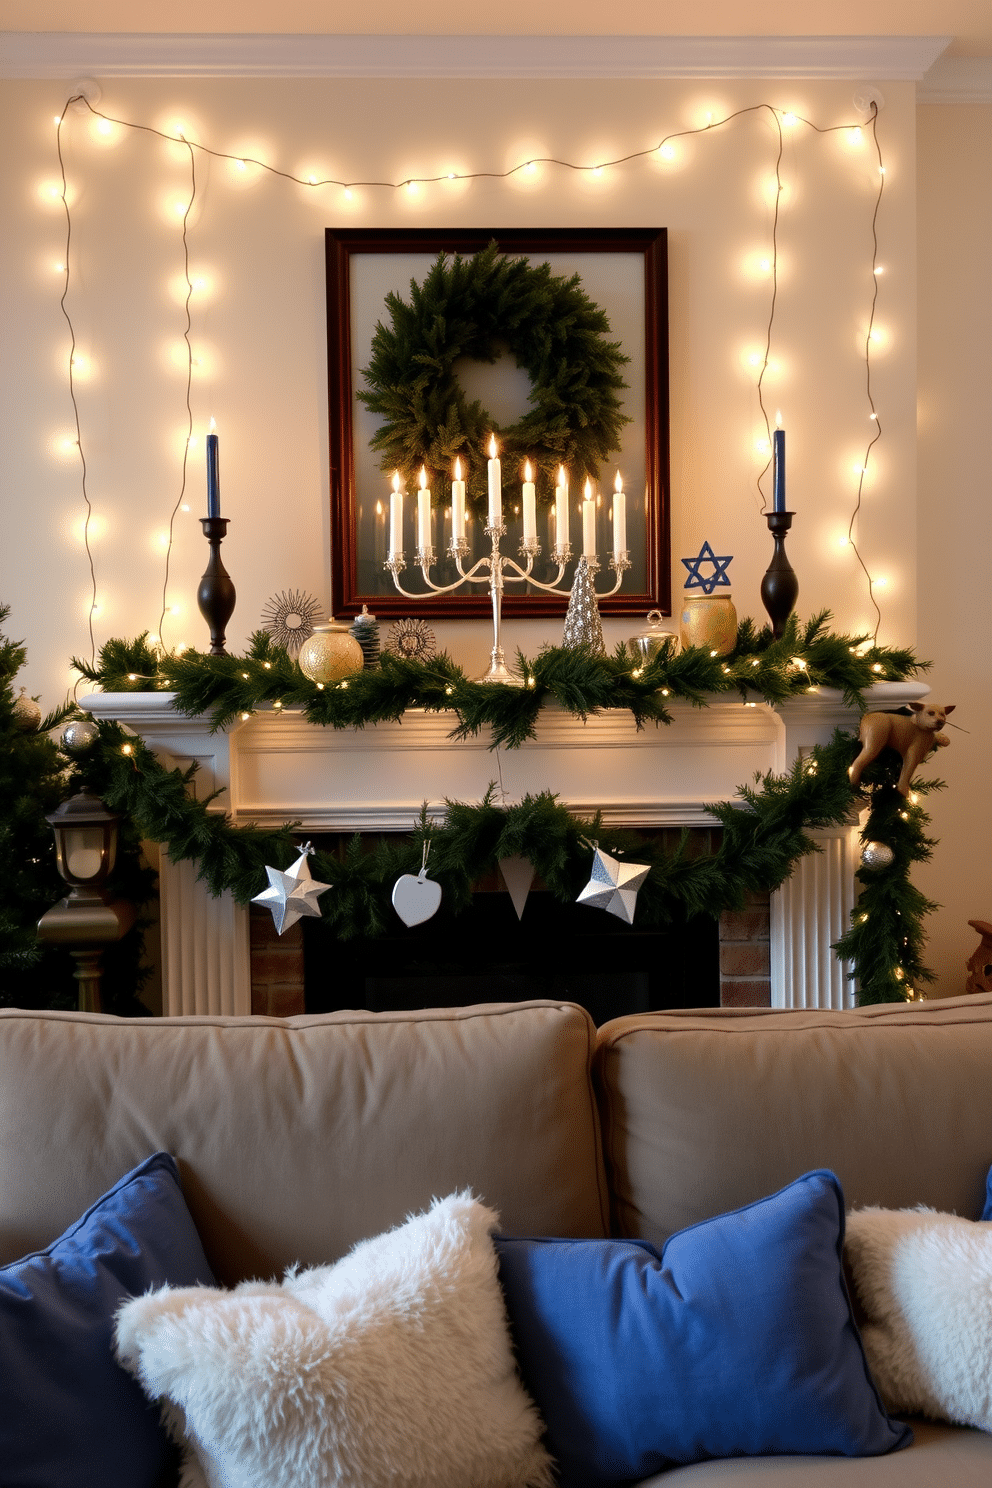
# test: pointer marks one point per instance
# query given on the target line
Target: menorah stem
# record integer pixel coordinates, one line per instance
(498, 669)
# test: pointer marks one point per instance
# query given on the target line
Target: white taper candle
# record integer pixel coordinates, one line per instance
(424, 512)
(619, 518)
(589, 523)
(561, 509)
(457, 504)
(530, 507)
(396, 518)
(495, 486)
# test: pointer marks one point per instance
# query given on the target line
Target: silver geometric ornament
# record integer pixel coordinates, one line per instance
(613, 886)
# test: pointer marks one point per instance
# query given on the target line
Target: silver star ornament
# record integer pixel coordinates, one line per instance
(293, 894)
(613, 886)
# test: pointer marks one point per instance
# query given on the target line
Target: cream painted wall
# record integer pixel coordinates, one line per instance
(258, 330)
(955, 513)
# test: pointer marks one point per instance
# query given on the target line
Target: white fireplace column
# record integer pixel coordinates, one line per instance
(276, 768)
(205, 955)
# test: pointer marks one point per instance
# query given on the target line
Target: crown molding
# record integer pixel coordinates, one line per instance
(70, 54)
(957, 80)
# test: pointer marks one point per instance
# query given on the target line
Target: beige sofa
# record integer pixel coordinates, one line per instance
(296, 1138)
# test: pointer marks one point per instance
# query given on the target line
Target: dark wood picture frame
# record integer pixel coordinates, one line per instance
(342, 247)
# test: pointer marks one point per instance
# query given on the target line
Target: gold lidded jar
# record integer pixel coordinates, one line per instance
(330, 653)
(649, 641)
(709, 621)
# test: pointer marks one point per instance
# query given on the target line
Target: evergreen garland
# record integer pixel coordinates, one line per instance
(477, 308)
(224, 688)
(885, 941)
(761, 840)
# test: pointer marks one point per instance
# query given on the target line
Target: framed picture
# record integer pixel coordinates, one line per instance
(624, 272)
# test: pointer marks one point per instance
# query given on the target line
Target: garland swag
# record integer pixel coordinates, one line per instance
(762, 838)
(761, 841)
(478, 307)
(224, 688)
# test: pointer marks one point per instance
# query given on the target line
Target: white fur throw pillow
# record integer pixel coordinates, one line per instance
(925, 1282)
(392, 1367)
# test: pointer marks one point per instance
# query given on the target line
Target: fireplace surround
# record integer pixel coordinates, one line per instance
(275, 767)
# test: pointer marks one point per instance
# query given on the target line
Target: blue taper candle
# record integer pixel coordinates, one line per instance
(778, 478)
(213, 476)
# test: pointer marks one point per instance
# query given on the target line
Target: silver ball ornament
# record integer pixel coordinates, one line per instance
(876, 855)
(79, 735)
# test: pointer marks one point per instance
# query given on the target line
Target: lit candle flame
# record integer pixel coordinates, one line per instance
(396, 480)
(561, 476)
(618, 483)
(492, 446)
(458, 468)
(587, 489)
(528, 475)
(423, 478)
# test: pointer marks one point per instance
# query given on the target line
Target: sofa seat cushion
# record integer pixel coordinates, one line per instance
(941, 1456)
(736, 1340)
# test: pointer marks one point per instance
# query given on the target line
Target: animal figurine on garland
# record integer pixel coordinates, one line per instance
(913, 738)
(979, 963)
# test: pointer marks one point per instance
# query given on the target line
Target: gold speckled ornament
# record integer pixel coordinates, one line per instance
(330, 653)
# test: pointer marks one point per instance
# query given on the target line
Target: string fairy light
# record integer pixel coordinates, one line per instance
(664, 150)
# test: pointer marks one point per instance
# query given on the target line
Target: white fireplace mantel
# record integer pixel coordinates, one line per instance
(276, 767)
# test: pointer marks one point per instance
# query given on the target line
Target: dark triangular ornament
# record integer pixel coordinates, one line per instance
(583, 627)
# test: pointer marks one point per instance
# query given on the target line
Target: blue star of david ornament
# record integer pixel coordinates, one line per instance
(707, 582)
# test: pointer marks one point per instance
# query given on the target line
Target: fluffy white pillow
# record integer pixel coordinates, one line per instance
(925, 1282)
(392, 1367)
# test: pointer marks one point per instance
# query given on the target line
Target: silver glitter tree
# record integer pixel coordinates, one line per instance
(583, 627)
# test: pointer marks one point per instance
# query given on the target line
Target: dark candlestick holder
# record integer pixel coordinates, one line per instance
(216, 594)
(779, 587)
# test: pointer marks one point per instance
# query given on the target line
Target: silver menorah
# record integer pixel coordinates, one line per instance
(495, 568)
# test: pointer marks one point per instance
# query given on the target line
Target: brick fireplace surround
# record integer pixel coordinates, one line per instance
(276, 767)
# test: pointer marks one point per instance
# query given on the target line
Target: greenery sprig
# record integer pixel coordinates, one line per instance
(479, 307)
(223, 688)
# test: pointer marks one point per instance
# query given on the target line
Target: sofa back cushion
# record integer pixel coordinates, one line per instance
(706, 1111)
(297, 1137)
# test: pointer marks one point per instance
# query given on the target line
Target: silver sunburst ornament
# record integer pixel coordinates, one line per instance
(412, 639)
(289, 618)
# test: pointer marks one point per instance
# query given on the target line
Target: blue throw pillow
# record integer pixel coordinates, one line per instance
(734, 1340)
(987, 1211)
(69, 1414)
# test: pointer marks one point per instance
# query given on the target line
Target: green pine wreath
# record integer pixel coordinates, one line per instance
(480, 307)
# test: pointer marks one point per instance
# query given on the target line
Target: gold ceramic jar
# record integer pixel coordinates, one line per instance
(710, 621)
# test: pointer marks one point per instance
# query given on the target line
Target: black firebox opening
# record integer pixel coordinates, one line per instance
(485, 954)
